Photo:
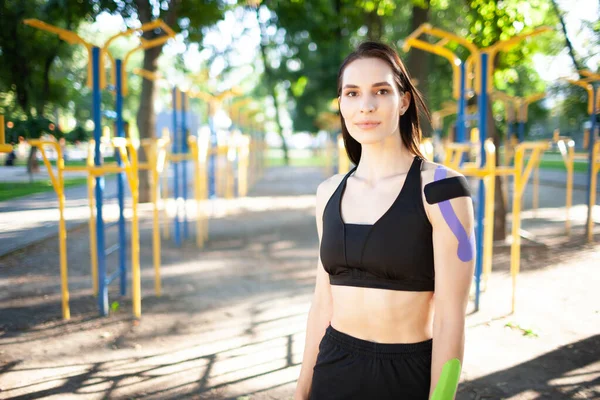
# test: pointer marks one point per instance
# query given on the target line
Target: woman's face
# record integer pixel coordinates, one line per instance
(370, 101)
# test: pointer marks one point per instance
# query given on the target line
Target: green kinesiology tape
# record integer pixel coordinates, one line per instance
(448, 382)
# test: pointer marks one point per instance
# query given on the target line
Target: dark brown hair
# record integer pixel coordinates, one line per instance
(410, 129)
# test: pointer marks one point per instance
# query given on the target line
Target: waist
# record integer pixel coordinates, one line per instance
(378, 349)
(383, 316)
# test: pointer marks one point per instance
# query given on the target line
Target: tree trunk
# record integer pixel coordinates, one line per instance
(576, 62)
(499, 206)
(146, 119)
(271, 87)
(33, 166)
(418, 60)
(374, 26)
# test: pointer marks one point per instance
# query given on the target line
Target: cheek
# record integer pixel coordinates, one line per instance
(346, 108)
(392, 109)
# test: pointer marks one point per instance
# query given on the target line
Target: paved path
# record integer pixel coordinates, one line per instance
(29, 219)
(231, 320)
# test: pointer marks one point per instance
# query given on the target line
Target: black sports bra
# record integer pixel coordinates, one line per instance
(395, 253)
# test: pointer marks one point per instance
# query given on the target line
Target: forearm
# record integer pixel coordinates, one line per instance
(319, 318)
(448, 343)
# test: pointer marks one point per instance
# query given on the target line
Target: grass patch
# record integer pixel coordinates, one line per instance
(312, 161)
(13, 190)
(75, 163)
(560, 165)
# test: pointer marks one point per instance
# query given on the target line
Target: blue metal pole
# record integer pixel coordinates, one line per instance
(521, 131)
(121, 182)
(460, 117)
(99, 189)
(235, 169)
(483, 98)
(212, 159)
(184, 147)
(176, 168)
(592, 142)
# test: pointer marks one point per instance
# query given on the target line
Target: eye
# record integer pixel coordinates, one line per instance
(383, 91)
(350, 94)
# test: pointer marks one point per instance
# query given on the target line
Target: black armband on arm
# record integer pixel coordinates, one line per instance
(446, 189)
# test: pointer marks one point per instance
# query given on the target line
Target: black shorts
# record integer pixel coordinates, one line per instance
(352, 368)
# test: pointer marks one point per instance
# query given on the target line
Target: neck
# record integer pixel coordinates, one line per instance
(384, 159)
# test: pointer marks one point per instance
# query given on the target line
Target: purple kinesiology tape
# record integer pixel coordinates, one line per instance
(466, 243)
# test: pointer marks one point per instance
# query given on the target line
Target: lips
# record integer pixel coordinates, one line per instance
(368, 124)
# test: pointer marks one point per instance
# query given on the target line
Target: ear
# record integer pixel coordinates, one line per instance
(339, 99)
(406, 99)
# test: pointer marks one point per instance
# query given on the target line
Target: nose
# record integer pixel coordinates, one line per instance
(367, 105)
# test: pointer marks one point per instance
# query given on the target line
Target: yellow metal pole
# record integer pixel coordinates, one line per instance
(488, 230)
(521, 177)
(165, 197)
(92, 223)
(2, 135)
(131, 168)
(230, 149)
(343, 160)
(193, 144)
(569, 200)
(155, 216)
(595, 168)
(64, 277)
(58, 183)
(243, 167)
(222, 176)
(515, 252)
(536, 187)
(204, 188)
(567, 151)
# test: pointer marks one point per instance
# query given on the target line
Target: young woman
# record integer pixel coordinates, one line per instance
(396, 248)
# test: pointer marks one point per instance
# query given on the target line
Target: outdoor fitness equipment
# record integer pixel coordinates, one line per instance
(4, 148)
(481, 61)
(126, 163)
(592, 86)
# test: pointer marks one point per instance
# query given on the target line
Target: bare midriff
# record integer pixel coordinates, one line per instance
(382, 316)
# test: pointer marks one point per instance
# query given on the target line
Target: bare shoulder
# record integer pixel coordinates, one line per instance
(459, 197)
(428, 174)
(326, 188)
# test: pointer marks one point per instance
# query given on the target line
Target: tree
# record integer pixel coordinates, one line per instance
(271, 83)
(28, 57)
(187, 17)
(493, 21)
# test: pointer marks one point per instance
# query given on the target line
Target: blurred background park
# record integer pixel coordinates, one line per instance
(284, 55)
(174, 147)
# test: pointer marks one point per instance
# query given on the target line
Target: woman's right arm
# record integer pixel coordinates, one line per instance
(319, 315)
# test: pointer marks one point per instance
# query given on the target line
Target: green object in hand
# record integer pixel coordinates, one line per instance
(448, 382)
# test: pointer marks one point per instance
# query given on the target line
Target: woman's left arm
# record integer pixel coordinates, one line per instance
(454, 260)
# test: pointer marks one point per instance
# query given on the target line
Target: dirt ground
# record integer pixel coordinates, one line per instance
(230, 323)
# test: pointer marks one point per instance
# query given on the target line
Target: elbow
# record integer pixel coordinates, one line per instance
(448, 322)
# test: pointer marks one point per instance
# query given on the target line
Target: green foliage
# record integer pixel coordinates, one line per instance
(306, 41)
(30, 88)
(525, 331)
(32, 128)
(79, 134)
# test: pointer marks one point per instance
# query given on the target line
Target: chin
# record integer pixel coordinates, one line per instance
(368, 137)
